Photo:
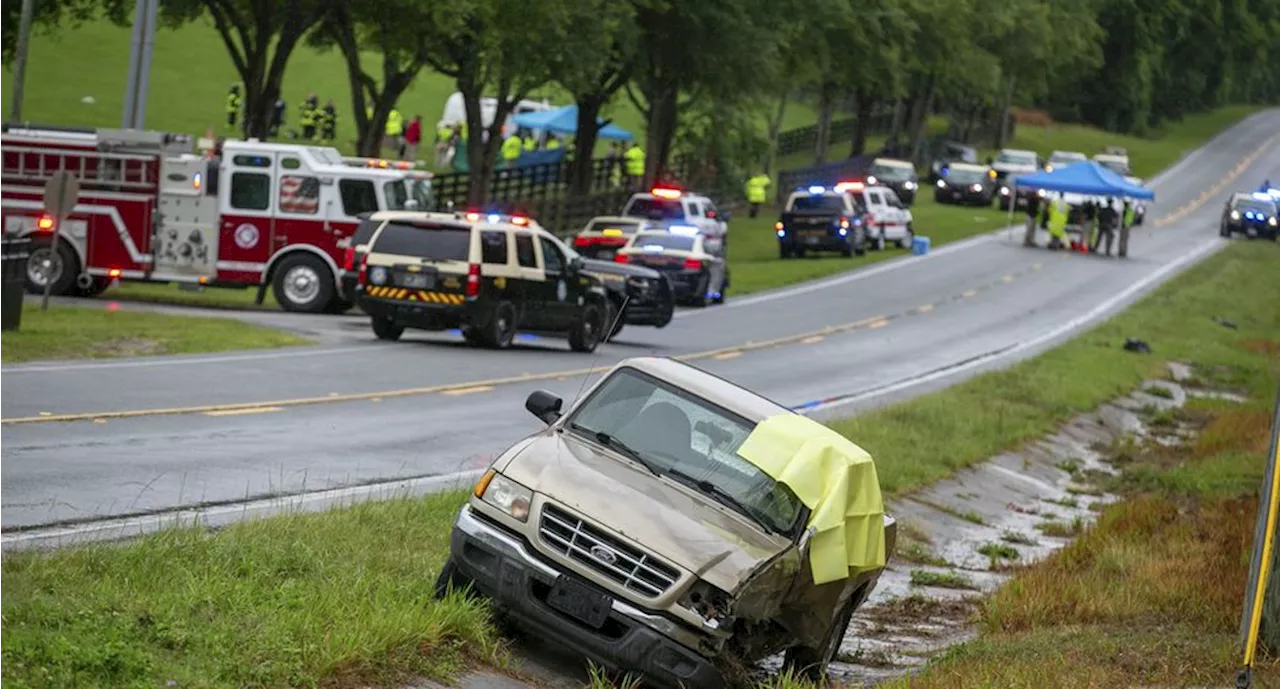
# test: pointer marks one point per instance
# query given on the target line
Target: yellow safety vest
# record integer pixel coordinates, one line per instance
(756, 188)
(233, 102)
(635, 161)
(530, 143)
(1129, 214)
(444, 133)
(511, 148)
(1057, 216)
(395, 123)
(553, 144)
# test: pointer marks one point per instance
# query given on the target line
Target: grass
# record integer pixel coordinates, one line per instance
(1060, 529)
(919, 553)
(998, 551)
(191, 72)
(213, 297)
(341, 599)
(1017, 538)
(946, 580)
(92, 333)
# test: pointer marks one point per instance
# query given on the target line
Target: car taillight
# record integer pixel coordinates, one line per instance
(621, 258)
(692, 264)
(364, 270)
(581, 241)
(473, 281)
(349, 260)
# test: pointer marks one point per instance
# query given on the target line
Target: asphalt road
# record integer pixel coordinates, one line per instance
(89, 440)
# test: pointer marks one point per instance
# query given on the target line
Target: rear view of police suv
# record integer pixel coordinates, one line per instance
(820, 219)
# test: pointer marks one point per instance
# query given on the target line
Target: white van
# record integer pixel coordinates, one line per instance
(455, 110)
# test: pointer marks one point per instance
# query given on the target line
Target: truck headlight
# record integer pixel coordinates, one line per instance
(909, 185)
(1235, 215)
(1271, 222)
(505, 494)
(942, 184)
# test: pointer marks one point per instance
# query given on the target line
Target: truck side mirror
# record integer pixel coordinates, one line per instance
(575, 265)
(544, 405)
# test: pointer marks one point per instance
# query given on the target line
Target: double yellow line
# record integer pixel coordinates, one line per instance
(1206, 195)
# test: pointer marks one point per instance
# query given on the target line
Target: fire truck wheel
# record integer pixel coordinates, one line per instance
(303, 283)
(387, 329)
(43, 263)
(98, 286)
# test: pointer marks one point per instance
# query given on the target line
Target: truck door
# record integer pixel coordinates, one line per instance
(301, 202)
(246, 205)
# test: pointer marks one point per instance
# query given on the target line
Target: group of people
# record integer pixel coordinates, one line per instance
(319, 124)
(1101, 222)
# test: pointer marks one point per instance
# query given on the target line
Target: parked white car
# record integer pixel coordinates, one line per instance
(888, 218)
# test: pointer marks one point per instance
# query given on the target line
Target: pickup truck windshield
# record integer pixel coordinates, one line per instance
(1016, 159)
(655, 209)
(679, 435)
(1255, 205)
(893, 173)
(955, 176)
(817, 202)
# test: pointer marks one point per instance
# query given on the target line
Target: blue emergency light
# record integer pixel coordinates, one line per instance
(655, 248)
(817, 190)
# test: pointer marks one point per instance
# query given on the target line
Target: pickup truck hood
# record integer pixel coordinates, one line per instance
(656, 515)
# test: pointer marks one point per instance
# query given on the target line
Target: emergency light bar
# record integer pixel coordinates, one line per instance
(817, 190)
(849, 186)
(683, 230)
(666, 192)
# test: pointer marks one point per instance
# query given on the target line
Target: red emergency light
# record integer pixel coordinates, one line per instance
(473, 217)
(519, 220)
(850, 186)
(666, 192)
(692, 264)
(621, 258)
(45, 223)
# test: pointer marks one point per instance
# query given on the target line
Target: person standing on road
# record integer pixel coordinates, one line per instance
(233, 105)
(412, 137)
(757, 192)
(328, 123)
(1058, 223)
(1108, 220)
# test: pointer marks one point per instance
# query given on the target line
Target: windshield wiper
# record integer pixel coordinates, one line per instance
(617, 446)
(723, 496)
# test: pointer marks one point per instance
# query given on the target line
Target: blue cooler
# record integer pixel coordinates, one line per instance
(920, 246)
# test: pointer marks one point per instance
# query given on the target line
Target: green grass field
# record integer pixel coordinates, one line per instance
(255, 604)
(96, 333)
(191, 73)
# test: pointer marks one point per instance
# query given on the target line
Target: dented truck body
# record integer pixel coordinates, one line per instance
(637, 537)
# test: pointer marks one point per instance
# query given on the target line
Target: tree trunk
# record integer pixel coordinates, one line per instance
(896, 124)
(861, 123)
(584, 145)
(660, 130)
(775, 128)
(1006, 115)
(478, 185)
(823, 138)
(921, 117)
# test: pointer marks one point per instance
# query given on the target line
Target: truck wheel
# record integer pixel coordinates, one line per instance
(303, 284)
(905, 242)
(97, 286)
(811, 663)
(613, 317)
(501, 328)
(587, 329)
(387, 329)
(451, 579)
(44, 263)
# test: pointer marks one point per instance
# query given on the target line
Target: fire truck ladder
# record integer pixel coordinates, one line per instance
(118, 171)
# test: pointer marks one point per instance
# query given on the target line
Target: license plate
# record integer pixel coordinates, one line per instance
(415, 280)
(580, 602)
(955, 195)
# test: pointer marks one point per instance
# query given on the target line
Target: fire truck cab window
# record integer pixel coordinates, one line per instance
(290, 163)
(250, 191)
(493, 247)
(358, 196)
(524, 251)
(251, 161)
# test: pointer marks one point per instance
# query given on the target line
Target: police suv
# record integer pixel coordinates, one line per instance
(820, 219)
(489, 277)
(671, 207)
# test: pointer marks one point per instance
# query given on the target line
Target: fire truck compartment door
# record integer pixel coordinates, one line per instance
(186, 241)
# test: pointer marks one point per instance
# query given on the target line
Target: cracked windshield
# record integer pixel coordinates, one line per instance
(717, 344)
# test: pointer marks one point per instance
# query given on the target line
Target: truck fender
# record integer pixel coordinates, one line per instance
(269, 272)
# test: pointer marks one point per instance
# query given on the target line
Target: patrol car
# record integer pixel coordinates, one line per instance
(604, 235)
(1252, 215)
(669, 206)
(887, 218)
(820, 219)
(489, 277)
(697, 276)
(1009, 163)
(962, 183)
(1061, 159)
(898, 175)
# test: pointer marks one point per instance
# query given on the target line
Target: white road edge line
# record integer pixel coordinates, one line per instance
(143, 363)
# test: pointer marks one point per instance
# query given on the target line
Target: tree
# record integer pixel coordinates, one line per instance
(49, 16)
(393, 27)
(496, 49)
(260, 36)
(593, 67)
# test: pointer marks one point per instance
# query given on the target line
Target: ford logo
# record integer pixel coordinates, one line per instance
(603, 554)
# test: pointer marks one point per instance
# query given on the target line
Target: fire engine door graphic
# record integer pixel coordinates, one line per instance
(247, 203)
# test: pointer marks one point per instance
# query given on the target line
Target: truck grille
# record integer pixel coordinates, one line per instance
(582, 542)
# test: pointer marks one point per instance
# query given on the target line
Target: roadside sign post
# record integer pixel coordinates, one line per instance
(1260, 624)
(60, 194)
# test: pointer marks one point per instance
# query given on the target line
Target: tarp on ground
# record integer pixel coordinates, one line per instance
(565, 121)
(1086, 178)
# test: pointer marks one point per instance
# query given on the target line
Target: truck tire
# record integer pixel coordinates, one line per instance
(811, 663)
(905, 242)
(585, 334)
(303, 283)
(387, 329)
(97, 286)
(500, 331)
(62, 264)
(450, 580)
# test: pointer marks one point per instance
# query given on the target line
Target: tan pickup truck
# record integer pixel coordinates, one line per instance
(645, 529)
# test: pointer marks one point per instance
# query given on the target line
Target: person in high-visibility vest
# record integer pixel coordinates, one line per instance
(394, 130)
(1130, 214)
(233, 105)
(308, 115)
(633, 162)
(553, 143)
(757, 192)
(511, 149)
(529, 141)
(329, 123)
(1058, 223)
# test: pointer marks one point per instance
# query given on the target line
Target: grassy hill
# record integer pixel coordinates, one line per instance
(191, 72)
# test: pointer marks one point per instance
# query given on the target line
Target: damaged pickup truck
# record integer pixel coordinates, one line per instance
(676, 525)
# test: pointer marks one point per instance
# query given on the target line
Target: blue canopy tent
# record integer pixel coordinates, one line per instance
(565, 121)
(1086, 178)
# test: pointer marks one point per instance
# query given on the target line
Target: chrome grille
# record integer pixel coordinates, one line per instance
(583, 543)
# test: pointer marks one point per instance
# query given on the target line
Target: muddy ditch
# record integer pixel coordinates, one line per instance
(959, 539)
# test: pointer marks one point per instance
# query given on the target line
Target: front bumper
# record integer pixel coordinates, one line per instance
(961, 195)
(503, 568)
(828, 240)
(1252, 229)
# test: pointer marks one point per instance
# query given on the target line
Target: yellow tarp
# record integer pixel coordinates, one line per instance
(836, 480)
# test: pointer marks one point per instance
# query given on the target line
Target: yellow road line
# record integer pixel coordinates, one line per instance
(969, 294)
(1007, 279)
(924, 308)
(467, 390)
(238, 412)
(727, 355)
(812, 340)
(878, 324)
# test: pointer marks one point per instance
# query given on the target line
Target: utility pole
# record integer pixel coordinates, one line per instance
(140, 50)
(20, 60)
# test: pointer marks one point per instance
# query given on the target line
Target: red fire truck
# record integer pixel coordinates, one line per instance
(253, 214)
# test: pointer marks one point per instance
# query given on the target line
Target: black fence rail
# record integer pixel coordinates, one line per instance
(840, 131)
(824, 175)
